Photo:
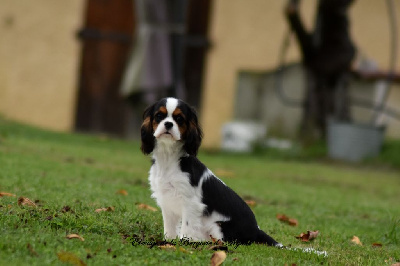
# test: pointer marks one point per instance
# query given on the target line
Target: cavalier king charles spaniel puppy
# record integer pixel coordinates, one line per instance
(195, 204)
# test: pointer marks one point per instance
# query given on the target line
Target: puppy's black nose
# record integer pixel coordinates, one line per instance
(168, 125)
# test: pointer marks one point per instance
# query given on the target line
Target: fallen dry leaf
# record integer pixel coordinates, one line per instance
(282, 217)
(26, 202)
(285, 219)
(213, 239)
(108, 209)
(122, 192)
(167, 247)
(181, 249)
(218, 258)
(66, 209)
(251, 203)
(6, 194)
(310, 235)
(216, 241)
(72, 236)
(356, 240)
(377, 245)
(70, 258)
(145, 207)
(293, 222)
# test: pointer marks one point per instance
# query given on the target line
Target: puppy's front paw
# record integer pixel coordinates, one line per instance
(168, 236)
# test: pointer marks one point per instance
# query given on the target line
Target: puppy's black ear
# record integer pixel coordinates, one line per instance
(146, 131)
(194, 134)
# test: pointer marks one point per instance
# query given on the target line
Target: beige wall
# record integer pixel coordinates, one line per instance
(248, 35)
(39, 55)
(39, 61)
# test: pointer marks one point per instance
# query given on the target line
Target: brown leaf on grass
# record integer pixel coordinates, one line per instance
(356, 240)
(282, 217)
(377, 245)
(143, 206)
(22, 201)
(122, 192)
(213, 239)
(293, 222)
(108, 209)
(66, 209)
(31, 250)
(72, 236)
(285, 219)
(310, 235)
(181, 249)
(216, 241)
(167, 247)
(70, 258)
(218, 258)
(251, 203)
(6, 194)
(217, 244)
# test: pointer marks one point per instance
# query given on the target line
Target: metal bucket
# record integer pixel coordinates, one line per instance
(354, 142)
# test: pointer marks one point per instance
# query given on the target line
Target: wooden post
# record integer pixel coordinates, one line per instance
(106, 41)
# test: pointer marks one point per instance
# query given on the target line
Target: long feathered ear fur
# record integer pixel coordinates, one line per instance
(146, 131)
(194, 134)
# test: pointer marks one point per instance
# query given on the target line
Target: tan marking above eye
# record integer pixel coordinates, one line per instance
(178, 111)
(163, 109)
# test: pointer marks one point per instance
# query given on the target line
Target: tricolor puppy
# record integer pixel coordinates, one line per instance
(195, 204)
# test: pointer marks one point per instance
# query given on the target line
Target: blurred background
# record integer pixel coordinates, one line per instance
(280, 68)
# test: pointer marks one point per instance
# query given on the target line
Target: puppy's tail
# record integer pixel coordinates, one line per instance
(263, 238)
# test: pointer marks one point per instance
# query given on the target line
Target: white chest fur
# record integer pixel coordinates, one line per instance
(180, 202)
(170, 186)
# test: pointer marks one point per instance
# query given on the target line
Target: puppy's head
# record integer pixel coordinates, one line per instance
(171, 119)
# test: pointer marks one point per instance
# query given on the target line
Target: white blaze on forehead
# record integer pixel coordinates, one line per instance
(171, 105)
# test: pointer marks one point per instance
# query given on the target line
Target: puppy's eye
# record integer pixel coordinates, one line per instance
(179, 119)
(159, 116)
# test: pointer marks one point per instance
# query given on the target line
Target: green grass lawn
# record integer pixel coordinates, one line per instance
(70, 176)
